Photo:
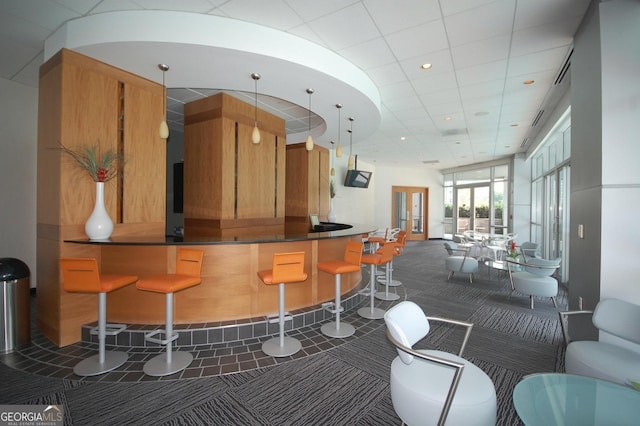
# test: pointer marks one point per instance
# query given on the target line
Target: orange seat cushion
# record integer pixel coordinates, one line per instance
(372, 259)
(167, 283)
(337, 267)
(267, 277)
(113, 282)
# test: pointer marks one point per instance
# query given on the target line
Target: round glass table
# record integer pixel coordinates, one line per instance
(565, 399)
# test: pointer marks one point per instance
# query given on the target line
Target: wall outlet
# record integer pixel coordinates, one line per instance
(579, 303)
(580, 231)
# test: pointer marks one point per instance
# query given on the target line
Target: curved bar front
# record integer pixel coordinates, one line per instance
(230, 288)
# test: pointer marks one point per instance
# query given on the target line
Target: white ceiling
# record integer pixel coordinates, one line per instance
(472, 106)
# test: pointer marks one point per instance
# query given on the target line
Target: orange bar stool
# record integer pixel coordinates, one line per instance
(287, 268)
(81, 275)
(351, 263)
(388, 280)
(188, 269)
(375, 260)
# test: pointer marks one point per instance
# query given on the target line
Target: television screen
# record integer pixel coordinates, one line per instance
(357, 178)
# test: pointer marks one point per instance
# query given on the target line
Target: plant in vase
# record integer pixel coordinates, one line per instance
(512, 251)
(102, 167)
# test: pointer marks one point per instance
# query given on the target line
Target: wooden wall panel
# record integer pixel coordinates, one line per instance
(307, 183)
(202, 187)
(89, 117)
(218, 142)
(79, 106)
(256, 175)
(230, 288)
(144, 192)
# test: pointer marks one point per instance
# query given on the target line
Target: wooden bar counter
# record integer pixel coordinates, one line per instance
(230, 288)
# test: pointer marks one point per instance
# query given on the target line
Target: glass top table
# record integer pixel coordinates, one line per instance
(565, 399)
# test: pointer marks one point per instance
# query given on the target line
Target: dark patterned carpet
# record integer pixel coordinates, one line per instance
(343, 385)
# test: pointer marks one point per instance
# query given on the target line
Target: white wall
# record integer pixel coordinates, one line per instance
(387, 177)
(18, 144)
(605, 177)
(354, 205)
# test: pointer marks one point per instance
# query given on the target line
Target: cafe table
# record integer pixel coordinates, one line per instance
(548, 399)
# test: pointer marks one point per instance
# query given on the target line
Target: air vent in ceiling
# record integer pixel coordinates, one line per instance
(454, 132)
(564, 69)
(537, 119)
(524, 142)
(430, 161)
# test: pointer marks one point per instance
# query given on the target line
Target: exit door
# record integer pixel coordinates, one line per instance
(410, 211)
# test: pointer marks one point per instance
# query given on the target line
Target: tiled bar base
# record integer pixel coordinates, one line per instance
(228, 351)
(227, 331)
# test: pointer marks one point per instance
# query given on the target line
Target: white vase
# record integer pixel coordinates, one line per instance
(99, 225)
(332, 212)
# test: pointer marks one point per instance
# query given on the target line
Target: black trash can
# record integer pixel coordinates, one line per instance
(15, 315)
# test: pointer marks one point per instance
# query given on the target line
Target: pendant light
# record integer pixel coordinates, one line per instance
(164, 128)
(309, 143)
(255, 135)
(339, 148)
(333, 170)
(351, 164)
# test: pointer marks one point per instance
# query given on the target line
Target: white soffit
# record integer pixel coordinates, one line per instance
(207, 51)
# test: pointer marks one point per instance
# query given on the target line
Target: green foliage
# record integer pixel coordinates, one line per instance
(101, 167)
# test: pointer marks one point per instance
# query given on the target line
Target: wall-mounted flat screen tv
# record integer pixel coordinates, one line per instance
(357, 178)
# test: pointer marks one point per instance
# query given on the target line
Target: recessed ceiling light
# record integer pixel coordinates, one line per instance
(527, 82)
(402, 138)
(447, 118)
(514, 125)
(426, 66)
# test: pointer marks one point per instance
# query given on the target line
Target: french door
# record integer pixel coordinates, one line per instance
(410, 211)
(473, 209)
(550, 217)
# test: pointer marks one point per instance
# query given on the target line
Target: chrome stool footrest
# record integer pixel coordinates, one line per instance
(149, 337)
(110, 329)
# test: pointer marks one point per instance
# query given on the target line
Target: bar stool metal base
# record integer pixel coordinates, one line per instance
(393, 283)
(92, 365)
(289, 346)
(371, 312)
(158, 365)
(386, 296)
(331, 329)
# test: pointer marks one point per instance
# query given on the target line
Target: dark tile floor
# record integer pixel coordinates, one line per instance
(44, 358)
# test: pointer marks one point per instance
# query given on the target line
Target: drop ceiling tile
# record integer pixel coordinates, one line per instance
(540, 12)
(403, 14)
(451, 7)
(545, 60)
(482, 73)
(481, 52)
(543, 37)
(370, 54)
(435, 83)
(441, 62)
(387, 74)
(309, 10)
(345, 27)
(417, 41)
(482, 90)
(278, 15)
(484, 22)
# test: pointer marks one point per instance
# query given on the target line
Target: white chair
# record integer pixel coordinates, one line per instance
(437, 386)
(607, 360)
(459, 260)
(530, 250)
(536, 279)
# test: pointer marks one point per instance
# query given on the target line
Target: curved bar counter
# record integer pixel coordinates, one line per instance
(230, 288)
